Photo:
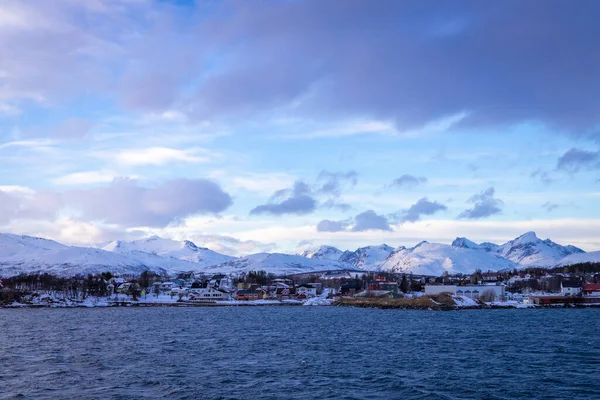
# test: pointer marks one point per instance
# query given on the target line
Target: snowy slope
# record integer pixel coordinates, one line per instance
(367, 258)
(323, 253)
(170, 249)
(577, 258)
(26, 254)
(276, 263)
(529, 250)
(435, 259)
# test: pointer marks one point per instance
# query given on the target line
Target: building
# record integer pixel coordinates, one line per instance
(379, 283)
(591, 289)
(250, 294)
(209, 294)
(570, 288)
(489, 292)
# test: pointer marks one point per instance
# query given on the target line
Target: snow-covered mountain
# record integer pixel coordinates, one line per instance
(529, 250)
(369, 257)
(580, 258)
(281, 264)
(170, 249)
(435, 259)
(26, 254)
(526, 250)
(323, 253)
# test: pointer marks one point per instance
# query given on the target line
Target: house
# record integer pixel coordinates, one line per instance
(381, 284)
(307, 290)
(486, 292)
(282, 292)
(221, 281)
(124, 288)
(591, 289)
(209, 294)
(570, 288)
(250, 294)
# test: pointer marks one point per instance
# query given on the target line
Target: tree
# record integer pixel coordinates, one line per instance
(404, 284)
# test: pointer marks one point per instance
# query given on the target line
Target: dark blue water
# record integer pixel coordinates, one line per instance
(299, 353)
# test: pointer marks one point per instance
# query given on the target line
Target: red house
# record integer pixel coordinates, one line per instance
(591, 289)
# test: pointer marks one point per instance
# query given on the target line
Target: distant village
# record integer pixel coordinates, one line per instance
(576, 285)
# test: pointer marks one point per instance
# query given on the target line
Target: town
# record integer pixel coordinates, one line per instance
(575, 285)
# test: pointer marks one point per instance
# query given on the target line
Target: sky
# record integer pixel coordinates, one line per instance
(251, 126)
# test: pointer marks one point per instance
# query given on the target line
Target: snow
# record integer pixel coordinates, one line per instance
(27, 254)
(323, 253)
(170, 249)
(280, 264)
(529, 250)
(367, 258)
(464, 301)
(577, 258)
(435, 259)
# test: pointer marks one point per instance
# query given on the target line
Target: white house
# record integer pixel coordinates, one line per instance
(209, 294)
(570, 288)
(472, 291)
(491, 292)
(308, 291)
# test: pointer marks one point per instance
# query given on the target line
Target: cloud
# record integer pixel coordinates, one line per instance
(544, 176)
(391, 70)
(421, 207)
(333, 203)
(366, 221)
(87, 177)
(576, 159)
(332, 182)
(408, 181)
(17, 203)
(297, 200)
(485, 205)
(156, 156)
(386, 68)
(369, 220)
(125, 203)
(327, 225)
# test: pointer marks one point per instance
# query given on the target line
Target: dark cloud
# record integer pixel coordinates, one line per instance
(576, 159)
(18, 205)
(297, 200)
(126, 203)
(421, 207)
(408, 181)
(332, 182)
(369, 220)
(411, 61)
(365, 221)
(484, 205)
(332, 203)
(327, 225)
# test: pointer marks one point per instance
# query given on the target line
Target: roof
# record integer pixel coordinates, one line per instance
(591, 286)
(571, 284)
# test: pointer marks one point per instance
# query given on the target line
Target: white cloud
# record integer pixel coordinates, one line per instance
(156, 156)
(88, 177)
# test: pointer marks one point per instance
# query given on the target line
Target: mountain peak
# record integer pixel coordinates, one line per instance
(527, 237)
(464, 243)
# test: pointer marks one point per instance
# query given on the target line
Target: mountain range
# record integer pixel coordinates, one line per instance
(26, 254)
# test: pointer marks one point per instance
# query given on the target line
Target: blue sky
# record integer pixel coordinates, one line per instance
(279, 125)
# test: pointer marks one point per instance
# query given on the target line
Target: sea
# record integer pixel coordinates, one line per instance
(287, 352)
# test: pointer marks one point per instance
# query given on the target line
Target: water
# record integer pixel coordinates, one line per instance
(299, 353)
